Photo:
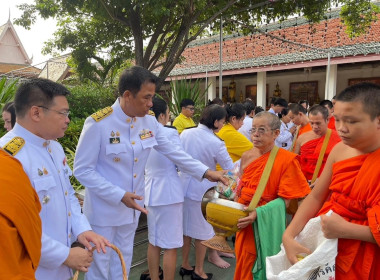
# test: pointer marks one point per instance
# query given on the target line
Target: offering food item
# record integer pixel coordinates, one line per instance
(301, 256)
(228, 191)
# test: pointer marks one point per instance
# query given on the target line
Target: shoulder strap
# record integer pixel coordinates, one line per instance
(101, 114)
(263, 179)
(321, 155)
(14, 145)
(295, 138)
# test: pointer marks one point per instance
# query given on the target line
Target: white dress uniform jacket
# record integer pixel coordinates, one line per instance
(201, 143)
(62, 220)
(110, 161)
(285, 138)
(246, 127)
(162, 183)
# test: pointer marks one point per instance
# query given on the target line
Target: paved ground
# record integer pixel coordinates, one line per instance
(139, 259)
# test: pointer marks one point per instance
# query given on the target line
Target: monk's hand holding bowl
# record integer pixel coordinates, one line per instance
(333, 226)
(244, 222)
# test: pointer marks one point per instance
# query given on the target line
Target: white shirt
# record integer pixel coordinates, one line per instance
(162, 183)
(62, 221)
(285, 138)
(108, 169)
(246, 127)
(202, 144)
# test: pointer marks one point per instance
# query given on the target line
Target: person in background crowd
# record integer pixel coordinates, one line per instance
(201, 143)
(349, 185)
(277, 104)
(330, 108)
(247, 123)
(164, 201)
(304, 103)
(184, 119)
(9, 116)
(287, 130)
(309, 144)
(110, 161)
(217, 101)
(286, 181)
(42, 113)
(20, 223)
(298, 115)
(258, 109)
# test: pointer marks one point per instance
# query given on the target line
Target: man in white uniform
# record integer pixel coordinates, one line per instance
(247, 123)
(42, 116)
(110, 162)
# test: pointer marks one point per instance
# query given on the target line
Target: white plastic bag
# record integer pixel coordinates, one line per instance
(319, 265)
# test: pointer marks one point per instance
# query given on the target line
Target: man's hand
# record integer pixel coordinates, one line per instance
(79, 259)
(293, 248)
(129, 201)
(293, 129)
(99, 241)
(333, 226)
(215, 176)
(244, 222)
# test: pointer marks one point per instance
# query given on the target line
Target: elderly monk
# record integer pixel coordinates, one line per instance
(298, 115)
(349, 185)
(309, 144)
(285, 181)
(20, 223)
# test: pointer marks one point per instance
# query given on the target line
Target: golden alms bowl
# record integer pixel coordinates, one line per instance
(223, 215)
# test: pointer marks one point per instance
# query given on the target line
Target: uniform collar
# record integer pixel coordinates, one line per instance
(120, 113)
(29, 137)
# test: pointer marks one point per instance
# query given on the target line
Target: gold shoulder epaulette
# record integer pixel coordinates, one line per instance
(101, 114)
(151, 113)
(14, 146)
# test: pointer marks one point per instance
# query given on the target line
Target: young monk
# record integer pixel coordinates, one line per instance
(349, 185)
(286, 181)
(298, 115)
(309, 144)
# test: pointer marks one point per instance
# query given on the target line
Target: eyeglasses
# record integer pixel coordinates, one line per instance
(66, 113)
(190, 108)
(260, 130)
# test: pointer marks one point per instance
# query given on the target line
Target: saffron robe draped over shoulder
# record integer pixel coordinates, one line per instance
(309, 154)
(331, 124)
(355, 195)
(304, 129)
(286, 181)
(20, 223)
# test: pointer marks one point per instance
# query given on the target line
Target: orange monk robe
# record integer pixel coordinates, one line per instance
(331, 123)
(309, 154)
(355, 195)
(304, 129)
(20, 224)
(286, 181)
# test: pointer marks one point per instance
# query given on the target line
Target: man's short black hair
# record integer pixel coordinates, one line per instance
(281, 102)
(212, 113)
(297, 108)
(326, 102)
(133, 78)
(304, 102)
(249, 106)
(37, 92)
(186, 102)
(258, 109)
(315, 109)
(366, 93)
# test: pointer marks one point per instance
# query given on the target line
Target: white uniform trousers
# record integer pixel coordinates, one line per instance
(194, 224)
(107, 266)
(165, 225)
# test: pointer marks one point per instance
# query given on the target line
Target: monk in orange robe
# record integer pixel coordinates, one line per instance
(349, 185)
(330, 108)
(20, 224)
(309, 144)
(286, 181)
(298, 115)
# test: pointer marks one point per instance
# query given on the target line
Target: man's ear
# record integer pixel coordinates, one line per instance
(35, 113)
(126, 94)
(276, 132)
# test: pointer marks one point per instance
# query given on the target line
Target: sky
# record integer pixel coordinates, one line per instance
(33, 39)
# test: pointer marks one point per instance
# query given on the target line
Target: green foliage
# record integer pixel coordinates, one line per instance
(8, 89)
(70, 156)
(155, 33)
(182, 89)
